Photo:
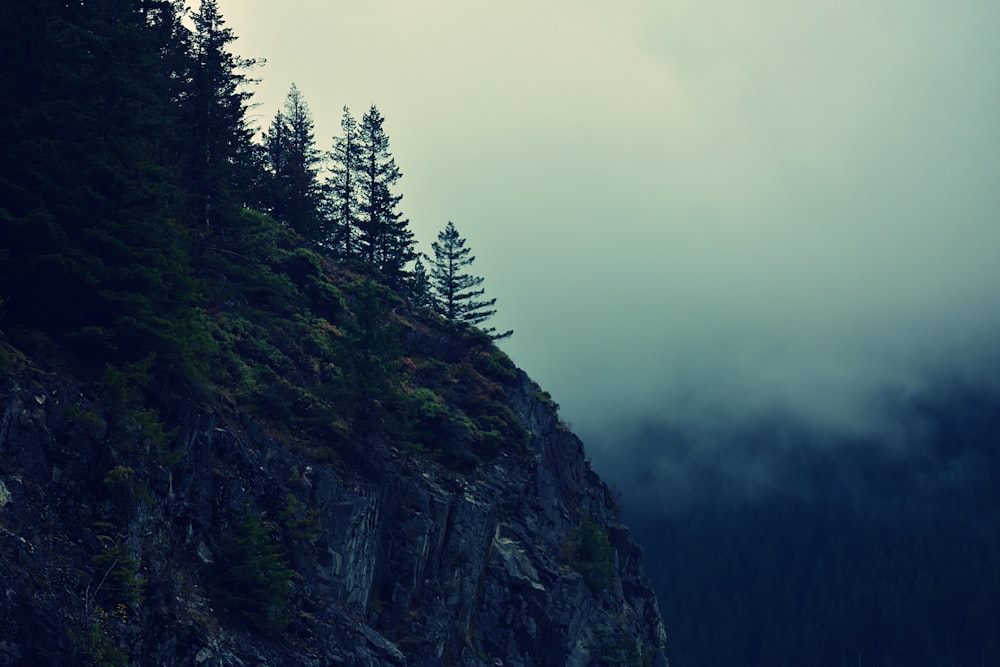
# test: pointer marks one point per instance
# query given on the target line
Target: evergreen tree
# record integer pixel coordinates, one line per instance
(386, 242)
(418, 286)
(222, 159)
(342, 188)
(455, 291)
(293, 193)
(88, 184)
(254, 577)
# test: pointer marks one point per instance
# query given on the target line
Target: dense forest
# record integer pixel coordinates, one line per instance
(878, 550)
(132, 181)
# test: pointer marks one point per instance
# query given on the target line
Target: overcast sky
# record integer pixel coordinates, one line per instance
(686, 208)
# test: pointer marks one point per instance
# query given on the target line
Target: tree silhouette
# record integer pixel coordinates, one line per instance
(386, 242)
(216, 101)
(455, 291)
(293, 192)
(342, 188)
(418, 287)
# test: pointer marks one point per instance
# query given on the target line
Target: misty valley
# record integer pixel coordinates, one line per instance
(832, 550)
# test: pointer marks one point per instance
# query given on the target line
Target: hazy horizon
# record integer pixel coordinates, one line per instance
(689, 213)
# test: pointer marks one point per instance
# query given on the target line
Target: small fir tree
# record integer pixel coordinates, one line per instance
(253, 578)
(418, 286)
(455, 291)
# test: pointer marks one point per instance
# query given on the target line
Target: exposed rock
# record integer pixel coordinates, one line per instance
(407, 562)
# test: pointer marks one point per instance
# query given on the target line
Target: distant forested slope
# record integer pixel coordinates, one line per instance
(868, 553)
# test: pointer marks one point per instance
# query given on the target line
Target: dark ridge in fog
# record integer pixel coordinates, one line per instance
(912, 448)
(777, 543)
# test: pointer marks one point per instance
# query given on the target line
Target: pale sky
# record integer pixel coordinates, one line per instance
(686, 208)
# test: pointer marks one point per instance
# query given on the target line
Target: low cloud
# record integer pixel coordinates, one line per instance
(704, 220)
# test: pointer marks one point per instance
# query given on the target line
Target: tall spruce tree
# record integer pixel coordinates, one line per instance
(386, 241)
(293, 192)
(455, 291)
(223, 164)
(342, 188)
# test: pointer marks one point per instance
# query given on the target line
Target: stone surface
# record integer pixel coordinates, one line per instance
(411, 563)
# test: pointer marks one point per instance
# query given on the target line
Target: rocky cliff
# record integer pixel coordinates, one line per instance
(162, 552)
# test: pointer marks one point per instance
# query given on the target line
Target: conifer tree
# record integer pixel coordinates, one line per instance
(254, 577)
(455, 291)
(293, 193)
(223, 161)
(88, 183)
(386, 242)
(418, 286)
(342, 188)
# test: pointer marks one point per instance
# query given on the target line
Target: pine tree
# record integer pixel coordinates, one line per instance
(293, 193)
(254, 577)
(418, 286)
(455, 291)
(89, 183)
(342, 188)
(223, 160)
(386, 242)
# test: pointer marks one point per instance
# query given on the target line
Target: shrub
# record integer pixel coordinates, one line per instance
(587, 550)
(120, 581)
(85, 418)
(96, 646)
(253, 577)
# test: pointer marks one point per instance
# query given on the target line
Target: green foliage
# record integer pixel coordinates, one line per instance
(123, 392)
(588, 551)
(428, 404)
(86, 418)
(499, 428)
(123, 481)
(96, 256)
(368, 385)
(625, 651)
(123, 387)
(92, 639)
(299, 521)
(253, 577)
(455, 292)
(546, 398)
(120, 581)
(115, 588)
(494, 363)
(385, 240)
(131, 249)
(291, 192)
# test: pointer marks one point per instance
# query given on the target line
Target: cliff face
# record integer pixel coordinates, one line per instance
(118, 558)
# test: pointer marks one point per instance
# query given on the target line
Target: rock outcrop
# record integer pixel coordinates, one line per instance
(396, 559)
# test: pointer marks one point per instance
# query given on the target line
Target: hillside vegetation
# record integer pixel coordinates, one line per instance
(237, 426)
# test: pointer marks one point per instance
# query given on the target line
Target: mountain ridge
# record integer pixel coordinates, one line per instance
(398, 554)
